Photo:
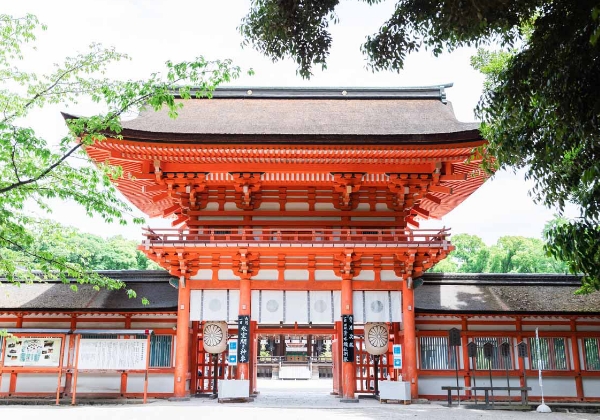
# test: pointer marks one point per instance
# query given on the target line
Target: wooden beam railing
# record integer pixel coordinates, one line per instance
(298, 236)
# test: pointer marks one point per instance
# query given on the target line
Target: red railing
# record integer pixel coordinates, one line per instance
(303, 237)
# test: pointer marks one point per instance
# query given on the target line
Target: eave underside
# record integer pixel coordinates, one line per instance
(292, 166)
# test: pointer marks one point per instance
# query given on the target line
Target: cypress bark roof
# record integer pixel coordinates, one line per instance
(386, 116)
(441, 293)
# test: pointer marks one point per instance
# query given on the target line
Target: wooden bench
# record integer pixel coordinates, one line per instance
(453, 388)
(486, 389)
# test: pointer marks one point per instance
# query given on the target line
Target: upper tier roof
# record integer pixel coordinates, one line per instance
(302, 115)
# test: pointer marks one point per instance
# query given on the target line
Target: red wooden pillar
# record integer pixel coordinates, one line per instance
(348, 369)
(409, 362)
(182, 349)
(243, 369)
(576, 362)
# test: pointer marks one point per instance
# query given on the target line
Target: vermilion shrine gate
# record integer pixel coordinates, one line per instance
(296, 207)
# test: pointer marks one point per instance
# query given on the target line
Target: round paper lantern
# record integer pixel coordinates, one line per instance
(214, 336)
(376, 338)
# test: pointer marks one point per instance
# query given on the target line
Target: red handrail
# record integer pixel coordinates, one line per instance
(287, 235)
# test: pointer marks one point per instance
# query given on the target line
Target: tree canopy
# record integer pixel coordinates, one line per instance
(541, 105)
(510, 254)
(36, 170)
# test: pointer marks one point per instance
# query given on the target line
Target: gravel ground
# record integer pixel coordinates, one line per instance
(285, 400)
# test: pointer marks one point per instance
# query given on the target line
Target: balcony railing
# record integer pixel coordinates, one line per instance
(276, 237)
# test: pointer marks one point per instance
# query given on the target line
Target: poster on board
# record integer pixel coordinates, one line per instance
(112, 354)
(41, 352)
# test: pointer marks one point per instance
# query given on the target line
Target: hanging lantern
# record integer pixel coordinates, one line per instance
(214, 336)
(377, 338)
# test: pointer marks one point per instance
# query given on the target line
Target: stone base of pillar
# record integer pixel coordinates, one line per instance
(349, 400)
(179, 399)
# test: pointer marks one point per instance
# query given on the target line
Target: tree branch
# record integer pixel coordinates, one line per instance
(43, 174)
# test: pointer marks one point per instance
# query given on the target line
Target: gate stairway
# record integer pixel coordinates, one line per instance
(295, 371)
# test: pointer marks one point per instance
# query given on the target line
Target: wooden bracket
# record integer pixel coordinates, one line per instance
(346, 184)
(248, 185)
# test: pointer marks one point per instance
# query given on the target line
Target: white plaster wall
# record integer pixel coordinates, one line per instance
(491, 327)
(595, 328)
(36, 382)
(295, 274)
(324, 207)
(483, 379)
(433, 327)
(230, 207)
(389, 275)
(373, 219)
(227, 274)
(365, 275)
(432, 385)
(269, 206)
(553, 387)
(203, 275)
(97, 382)
(326, 275)
(591, 387)
(153, 325)
(5, 382)
(156, 382)
(266, 275)
(547, 327)
(8, 324)
(35, 324)
(296, 206)
(96, 325)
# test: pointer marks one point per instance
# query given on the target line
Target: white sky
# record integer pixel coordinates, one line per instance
(153, 31)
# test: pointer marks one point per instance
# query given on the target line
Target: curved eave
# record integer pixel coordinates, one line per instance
(302, 139)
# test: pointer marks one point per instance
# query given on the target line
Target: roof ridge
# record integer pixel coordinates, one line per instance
(328, 92)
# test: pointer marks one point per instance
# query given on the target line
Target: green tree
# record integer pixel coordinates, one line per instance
(33, 170)
(541, 106)
(470, 252)
(83, 249)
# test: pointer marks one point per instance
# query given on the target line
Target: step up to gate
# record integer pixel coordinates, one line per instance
(294, 372)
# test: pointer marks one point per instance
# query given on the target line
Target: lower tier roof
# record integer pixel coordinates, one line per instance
(440, 293)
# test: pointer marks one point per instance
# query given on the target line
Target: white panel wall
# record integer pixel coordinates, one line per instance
(5, 382)
(321, 309)
(553, 387)
(591, 387)
(211, 305)
(156, 382)
(326, 275)
(296, 307)
(376, 306)
(432, 385)
(97, 382)
(203, 274)
(266, 275)
(268, 307)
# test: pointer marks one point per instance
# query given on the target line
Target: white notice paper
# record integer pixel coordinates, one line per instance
(114, 354)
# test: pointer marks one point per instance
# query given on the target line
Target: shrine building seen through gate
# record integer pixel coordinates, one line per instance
(295, 225)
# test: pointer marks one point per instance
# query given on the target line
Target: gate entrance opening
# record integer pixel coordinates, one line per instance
(283, 352)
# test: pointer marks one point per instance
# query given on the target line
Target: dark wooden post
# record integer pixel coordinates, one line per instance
(472, 352)
(488, 353)
(505, 351)
(454, 342)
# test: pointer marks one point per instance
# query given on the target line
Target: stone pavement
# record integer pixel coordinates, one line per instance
(278, 400)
